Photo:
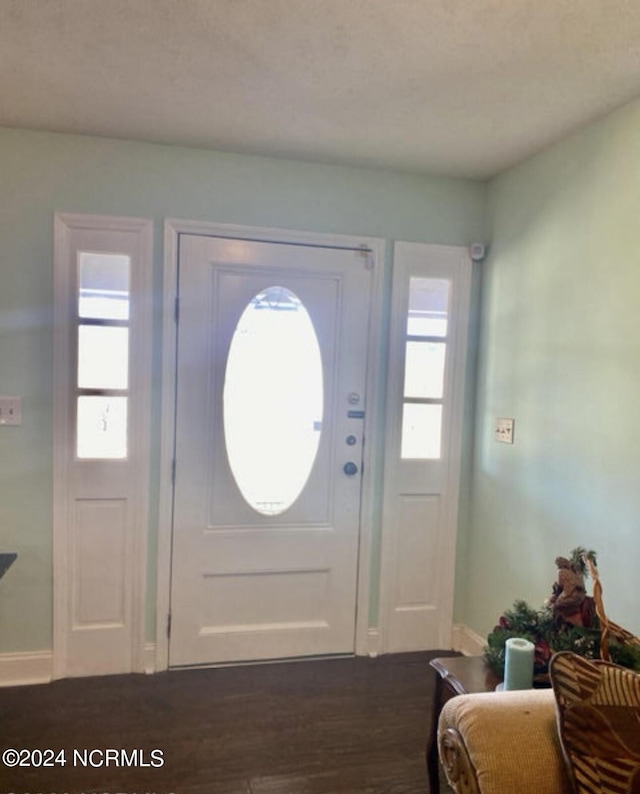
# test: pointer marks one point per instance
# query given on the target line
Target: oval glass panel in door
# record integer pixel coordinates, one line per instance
(273, 400)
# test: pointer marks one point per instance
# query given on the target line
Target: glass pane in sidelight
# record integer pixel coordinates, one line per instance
(103, 357)
(428, 306)
(421, 431)
(103, 292)
(273, 400)
(101, 427)
(424, 369)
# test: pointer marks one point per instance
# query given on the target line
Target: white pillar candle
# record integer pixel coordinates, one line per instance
(518, 664)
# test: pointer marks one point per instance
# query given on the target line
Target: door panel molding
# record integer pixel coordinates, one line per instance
(373, 250)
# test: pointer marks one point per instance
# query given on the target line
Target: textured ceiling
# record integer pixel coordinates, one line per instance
(457, 87)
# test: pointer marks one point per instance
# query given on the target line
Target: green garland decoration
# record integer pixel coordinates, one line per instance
(540, 628)
(550, 634)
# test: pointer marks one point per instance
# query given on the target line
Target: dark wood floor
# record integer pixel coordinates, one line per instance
(335, 726)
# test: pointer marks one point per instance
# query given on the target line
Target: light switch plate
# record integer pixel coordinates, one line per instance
(503, 430)
(10, 410)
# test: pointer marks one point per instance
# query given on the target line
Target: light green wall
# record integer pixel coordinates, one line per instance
(43, 173)
(560, 352)
(559, 337)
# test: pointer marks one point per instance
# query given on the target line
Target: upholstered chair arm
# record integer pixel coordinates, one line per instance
(497, 742)
(458, 766)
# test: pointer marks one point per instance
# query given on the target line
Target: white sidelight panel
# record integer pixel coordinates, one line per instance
(428, 340)
(102, 364)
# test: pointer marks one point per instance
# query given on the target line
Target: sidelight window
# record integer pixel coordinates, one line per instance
(102, 377)
(425, 364)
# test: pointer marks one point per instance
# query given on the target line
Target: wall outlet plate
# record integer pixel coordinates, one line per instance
(503, 430)
(10, 410)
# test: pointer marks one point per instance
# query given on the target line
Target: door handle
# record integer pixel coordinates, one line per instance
(350, 468)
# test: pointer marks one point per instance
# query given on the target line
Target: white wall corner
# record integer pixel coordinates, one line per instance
(466, 641)
(20, 669)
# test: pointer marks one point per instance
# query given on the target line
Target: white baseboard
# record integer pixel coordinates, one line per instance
(19, 669)
(373, 642)
(149, 657)
(466, 641)
(36, 667)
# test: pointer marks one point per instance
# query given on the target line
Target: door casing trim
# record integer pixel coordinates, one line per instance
(173, 228)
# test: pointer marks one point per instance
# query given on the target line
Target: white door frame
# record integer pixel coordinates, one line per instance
(174, 228)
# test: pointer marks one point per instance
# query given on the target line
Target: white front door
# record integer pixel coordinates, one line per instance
(271, 370)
